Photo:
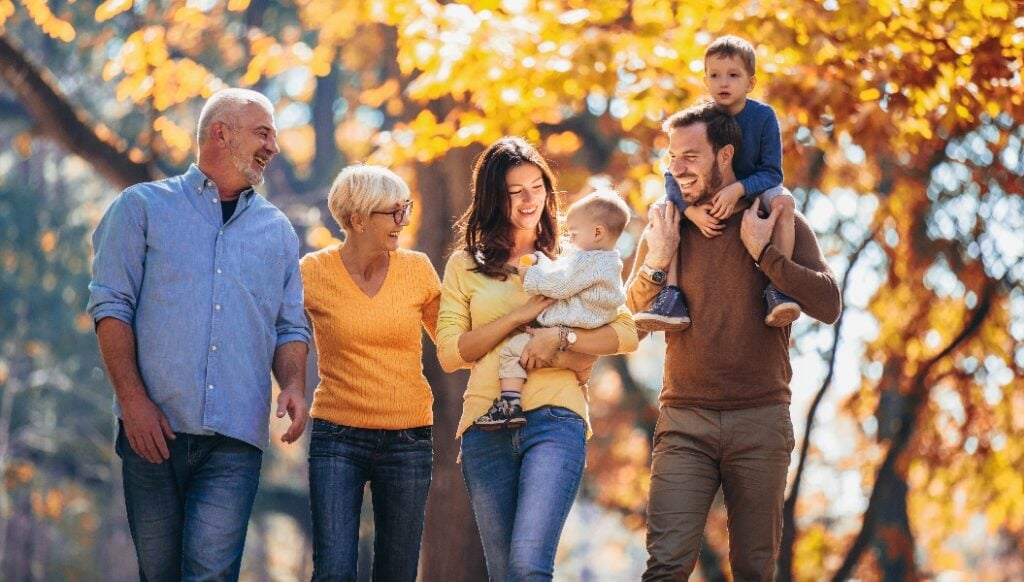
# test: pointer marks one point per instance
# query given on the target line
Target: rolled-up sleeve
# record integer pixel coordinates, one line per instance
(119, 246)
(453, 317)
(625, 330)
(291, 324)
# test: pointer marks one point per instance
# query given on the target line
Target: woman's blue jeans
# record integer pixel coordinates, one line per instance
(522, 483)
(397, 464)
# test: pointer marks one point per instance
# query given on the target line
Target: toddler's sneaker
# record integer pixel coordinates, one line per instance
(506, 412)
(782, 309)
(667, 313)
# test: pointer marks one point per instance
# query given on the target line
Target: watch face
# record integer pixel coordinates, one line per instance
(658, 277)
(571, 337)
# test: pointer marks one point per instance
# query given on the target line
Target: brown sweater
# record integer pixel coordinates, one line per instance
(729, 358)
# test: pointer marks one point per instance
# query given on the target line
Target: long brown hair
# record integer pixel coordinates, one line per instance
(486, 226)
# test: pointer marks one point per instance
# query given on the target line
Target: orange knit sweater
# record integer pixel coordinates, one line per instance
(370, 350)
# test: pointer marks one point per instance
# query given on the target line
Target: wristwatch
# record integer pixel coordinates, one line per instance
(570, 339)
(566, 338)
(655, 275)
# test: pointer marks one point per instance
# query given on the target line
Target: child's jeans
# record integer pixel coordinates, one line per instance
(675, 195)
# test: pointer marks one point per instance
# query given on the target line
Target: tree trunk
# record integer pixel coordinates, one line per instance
(894, 542)
(786, 570)
(879, 512)
(451, 543)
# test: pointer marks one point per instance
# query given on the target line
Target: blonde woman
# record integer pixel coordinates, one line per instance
(367, 300)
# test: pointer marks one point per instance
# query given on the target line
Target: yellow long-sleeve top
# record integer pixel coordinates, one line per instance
(469, 300)
(370, 349)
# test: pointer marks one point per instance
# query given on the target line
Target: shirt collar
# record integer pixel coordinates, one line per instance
(197, 182)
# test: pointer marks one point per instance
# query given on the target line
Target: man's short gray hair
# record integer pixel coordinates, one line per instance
(223, 104)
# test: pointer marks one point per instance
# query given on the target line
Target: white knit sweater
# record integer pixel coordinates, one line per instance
(587, 285)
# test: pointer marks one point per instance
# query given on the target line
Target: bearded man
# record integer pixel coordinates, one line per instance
(724, 418)
(196, 297)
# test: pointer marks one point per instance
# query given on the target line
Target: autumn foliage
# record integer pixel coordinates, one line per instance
(902, 142)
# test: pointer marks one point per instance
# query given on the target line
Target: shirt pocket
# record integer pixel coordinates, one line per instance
(262, 273)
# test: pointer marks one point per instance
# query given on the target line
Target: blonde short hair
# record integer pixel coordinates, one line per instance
(605, 207)
(361, 189)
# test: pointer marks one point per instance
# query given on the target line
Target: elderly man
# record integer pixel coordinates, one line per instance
(724, 419)
(196, 297)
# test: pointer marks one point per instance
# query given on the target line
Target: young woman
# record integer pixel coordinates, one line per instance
(522, 480)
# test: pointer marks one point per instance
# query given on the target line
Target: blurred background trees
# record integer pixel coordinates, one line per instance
(903, 145)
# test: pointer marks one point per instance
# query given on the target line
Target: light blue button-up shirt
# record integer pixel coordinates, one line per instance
(209, 301)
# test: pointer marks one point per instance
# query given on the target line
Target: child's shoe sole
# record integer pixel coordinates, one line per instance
(650, 322)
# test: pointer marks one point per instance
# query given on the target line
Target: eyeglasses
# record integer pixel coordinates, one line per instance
(397, 215)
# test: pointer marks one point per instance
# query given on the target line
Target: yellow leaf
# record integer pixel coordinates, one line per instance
(298, 143)
(375, 97)
(871, 94)
(564, 143)
(974, 7)
(237, 5)
(425, 123)
(1000, 10)
(39, 10)
(321, 61)
(319, 237)
(6, 10)
(111, 8)
(177, 138)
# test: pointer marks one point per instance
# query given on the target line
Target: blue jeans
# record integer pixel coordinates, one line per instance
(397, 464)
(188, 515)
(521, 484)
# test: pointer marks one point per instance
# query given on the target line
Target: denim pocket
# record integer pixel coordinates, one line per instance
(120, 441)
(562, 414)
(326, 429)
(420, 434)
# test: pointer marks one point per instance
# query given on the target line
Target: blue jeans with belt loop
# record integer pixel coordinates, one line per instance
(522, 483)
(397, 464)
(188, 515)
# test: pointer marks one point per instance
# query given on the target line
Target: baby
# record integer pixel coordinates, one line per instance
(587, 283)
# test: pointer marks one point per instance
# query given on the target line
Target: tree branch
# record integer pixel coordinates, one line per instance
(57, 120)
(789, 507)
(887, 473)
(11, 110)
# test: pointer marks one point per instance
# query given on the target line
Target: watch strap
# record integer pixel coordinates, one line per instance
(656, 276)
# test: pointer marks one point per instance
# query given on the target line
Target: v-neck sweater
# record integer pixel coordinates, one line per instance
(370, 349)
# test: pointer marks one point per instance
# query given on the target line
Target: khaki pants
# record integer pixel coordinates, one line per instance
(508, 357)
(696, 451)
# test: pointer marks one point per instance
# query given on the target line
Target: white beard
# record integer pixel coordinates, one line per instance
(244, 165)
